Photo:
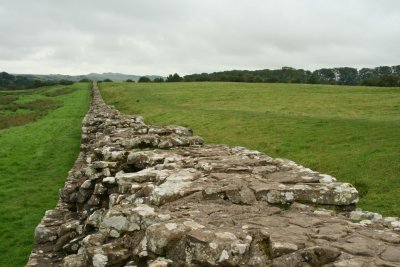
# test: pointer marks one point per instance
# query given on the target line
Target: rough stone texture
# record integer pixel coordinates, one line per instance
(145, 195)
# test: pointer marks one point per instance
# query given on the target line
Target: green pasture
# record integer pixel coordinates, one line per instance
(35, 158)
(352, 133)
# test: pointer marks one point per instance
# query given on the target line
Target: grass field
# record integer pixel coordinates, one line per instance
(35, 159)
(352, 133)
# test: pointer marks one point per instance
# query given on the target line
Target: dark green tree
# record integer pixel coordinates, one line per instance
(313, 79)
(158, 80)
(347, 76)
(383, 70)
(174, 78)
(144, 79)
(65, 82)
(388, 81)
(396, 70)
(326, 76)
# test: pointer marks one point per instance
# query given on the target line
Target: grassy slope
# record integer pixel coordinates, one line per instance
(349, 132)
(34, 162)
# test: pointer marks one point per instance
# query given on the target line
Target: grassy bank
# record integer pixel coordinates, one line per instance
(34, 161)
(352, 133)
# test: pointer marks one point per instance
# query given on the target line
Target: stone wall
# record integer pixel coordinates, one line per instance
(147, 195)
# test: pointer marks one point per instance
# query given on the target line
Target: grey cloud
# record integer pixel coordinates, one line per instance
(186, 36)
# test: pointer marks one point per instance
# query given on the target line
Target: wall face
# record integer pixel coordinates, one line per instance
(145, 195)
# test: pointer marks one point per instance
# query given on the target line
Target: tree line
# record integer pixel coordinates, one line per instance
(19, 82)
(170, 78)
(388, 76)
(145, 79)
(379, 76)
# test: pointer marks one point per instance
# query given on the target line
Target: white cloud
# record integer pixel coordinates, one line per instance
(187, 36)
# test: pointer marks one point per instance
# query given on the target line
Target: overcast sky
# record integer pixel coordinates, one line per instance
(192, 36)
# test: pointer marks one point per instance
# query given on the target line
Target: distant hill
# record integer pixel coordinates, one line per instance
(18, 82)
(116, 77)
(52, 77)
(26, 81)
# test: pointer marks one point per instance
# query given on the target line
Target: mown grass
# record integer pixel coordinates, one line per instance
(34, 161)
(352, 133)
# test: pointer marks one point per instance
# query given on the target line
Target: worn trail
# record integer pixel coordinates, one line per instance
(146, 195)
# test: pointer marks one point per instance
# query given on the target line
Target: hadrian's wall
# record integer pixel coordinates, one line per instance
(146, 195)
